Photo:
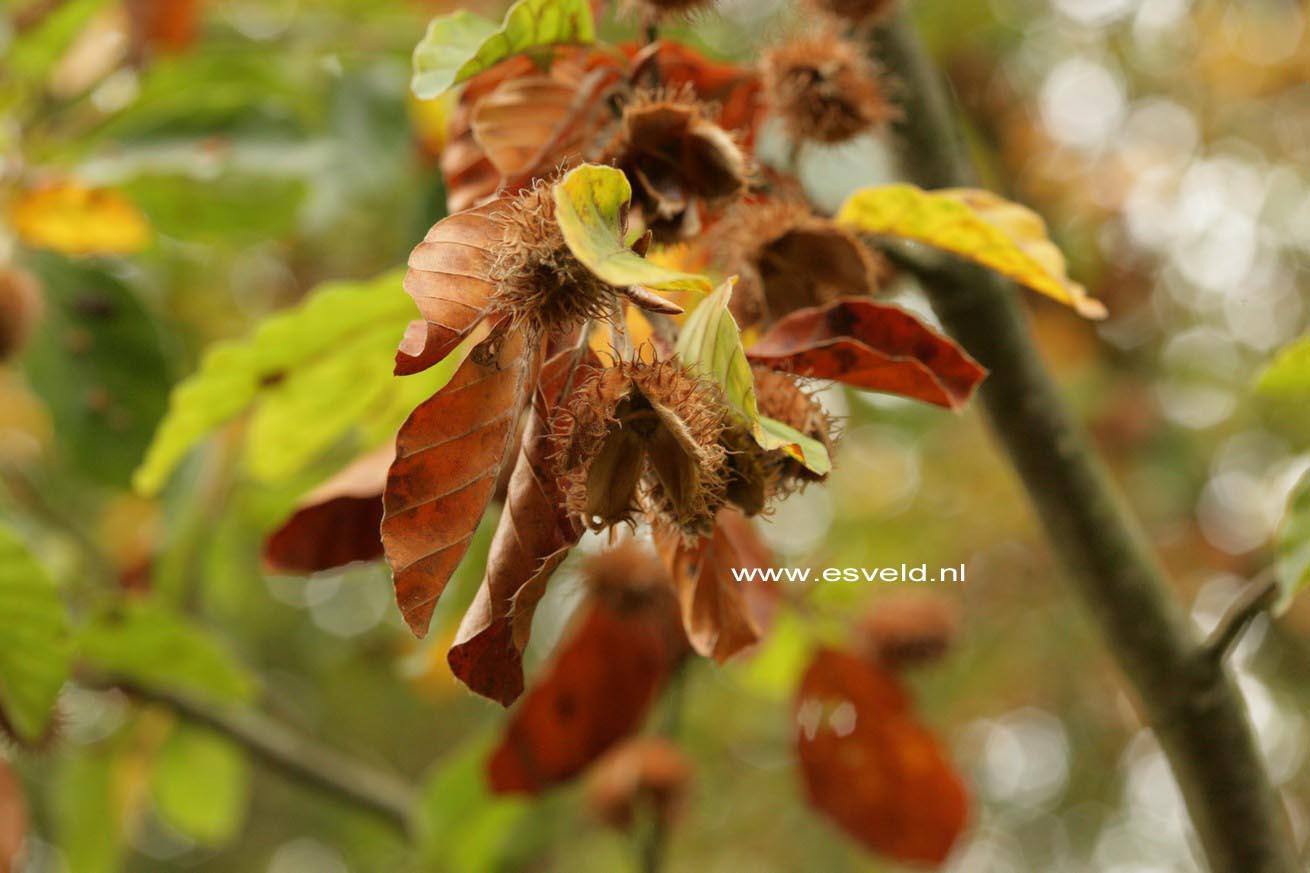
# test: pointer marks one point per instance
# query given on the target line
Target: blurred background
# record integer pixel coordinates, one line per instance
(270, 145)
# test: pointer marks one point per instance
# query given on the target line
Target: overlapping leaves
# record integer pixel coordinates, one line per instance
(462, 44)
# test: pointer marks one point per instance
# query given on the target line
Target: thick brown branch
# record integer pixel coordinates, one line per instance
(295, 756)
(1184, 694)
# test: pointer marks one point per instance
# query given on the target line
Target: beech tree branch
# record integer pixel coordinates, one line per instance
(1184, 693)
(295, 756)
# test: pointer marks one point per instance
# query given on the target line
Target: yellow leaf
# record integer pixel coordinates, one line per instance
(589, 206)
(75, 219)
(976, 225)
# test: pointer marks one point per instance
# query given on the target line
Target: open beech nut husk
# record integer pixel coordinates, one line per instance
(825, 90)
(677, 159)
(788, 258)
(781, 397)
(642, 435)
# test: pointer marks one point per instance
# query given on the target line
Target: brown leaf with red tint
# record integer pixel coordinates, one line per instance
(872, 346)
(448, 455)
(449, 279)
(532, 537)
(596, 691)
(336, 523)
(13, 819)
(471, 178)
(871, 767)
(716, 614)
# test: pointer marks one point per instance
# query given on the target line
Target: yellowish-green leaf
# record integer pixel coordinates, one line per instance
(1283, 389)
(461, 44)
(147, 643)
(976, 225)
(35, 645)
(589, 206)
(710, 342)
(1292, 563)
(313, 374)
(75, 219)
(201, 785)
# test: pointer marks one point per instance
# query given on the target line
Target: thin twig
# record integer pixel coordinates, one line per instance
(296, 756)
(1250, 602)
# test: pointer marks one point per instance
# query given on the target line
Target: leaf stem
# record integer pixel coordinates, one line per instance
(1185, 695)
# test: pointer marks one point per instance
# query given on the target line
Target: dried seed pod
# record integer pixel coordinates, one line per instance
(909, 628)
(676, 158)
(538, 279)
(627, 576)
(753, 475)
(781, 397)
(825, 89)
(789, 258)
(642, 435)
(21, 306)
(854, 12)
(643, 772)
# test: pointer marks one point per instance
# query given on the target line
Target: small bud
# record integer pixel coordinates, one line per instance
(825, 90)
(676, 159)
(21, 307)
(642, 436)
(910, 628)
(642, 775)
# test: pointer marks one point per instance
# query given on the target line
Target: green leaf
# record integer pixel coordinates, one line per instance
(88, 822)
(1284, 391)
(589, 206)
(35, 643)
(463, 826)
(98, 361)
(711, 343)
(976, 225)
(1292, 563)
(460, 45)
(313, 374)
(145, 643)
(201, 785)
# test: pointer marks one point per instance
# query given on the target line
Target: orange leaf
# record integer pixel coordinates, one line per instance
(336, 523)
(715, 612)
(871, 767)
(449, 280)
(75, 219)
(872, 346)
(595, 692)
(448, 455)
(532, 537)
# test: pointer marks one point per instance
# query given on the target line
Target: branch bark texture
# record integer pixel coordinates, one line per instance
(1184, 693)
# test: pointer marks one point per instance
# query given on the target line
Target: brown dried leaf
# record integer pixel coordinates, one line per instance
(336, 523)
(596, 691)
(871, 767)
(449, 279)
(715, 612)
(871, 346)
(448, 455)
(532, 537)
